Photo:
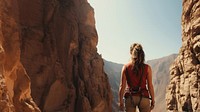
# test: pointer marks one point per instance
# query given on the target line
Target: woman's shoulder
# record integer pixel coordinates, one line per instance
(147, 66)
(128, 64)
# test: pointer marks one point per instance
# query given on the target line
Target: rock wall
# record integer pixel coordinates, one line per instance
(183, 92)
(49, 56)
(15, 93)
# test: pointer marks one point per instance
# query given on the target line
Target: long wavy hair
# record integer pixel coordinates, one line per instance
(137, 57)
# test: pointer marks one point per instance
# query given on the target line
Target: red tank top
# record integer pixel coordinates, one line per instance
(135, 79)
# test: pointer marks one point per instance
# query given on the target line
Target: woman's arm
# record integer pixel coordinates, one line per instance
(150, 86)
(122, 88)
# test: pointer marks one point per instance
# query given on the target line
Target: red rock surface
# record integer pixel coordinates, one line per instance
(49, 56)
(183, 92)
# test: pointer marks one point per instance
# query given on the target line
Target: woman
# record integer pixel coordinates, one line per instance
(134, 78)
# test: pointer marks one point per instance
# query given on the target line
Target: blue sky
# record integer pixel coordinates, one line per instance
(156, 24)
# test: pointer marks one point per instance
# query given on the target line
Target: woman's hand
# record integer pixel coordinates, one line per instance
(121, 106)
(152, 104)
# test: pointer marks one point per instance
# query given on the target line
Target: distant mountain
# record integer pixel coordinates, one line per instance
(160, 70)
(113, 70)
(161, 77)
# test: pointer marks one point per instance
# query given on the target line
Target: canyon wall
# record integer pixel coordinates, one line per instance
(183, 92)
(49, 60)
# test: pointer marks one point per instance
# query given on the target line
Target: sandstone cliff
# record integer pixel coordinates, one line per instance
(49, 56)
(183, 92)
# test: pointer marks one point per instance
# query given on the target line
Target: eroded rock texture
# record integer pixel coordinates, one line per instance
(52, 44)
(183, 92)
(15, 83)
